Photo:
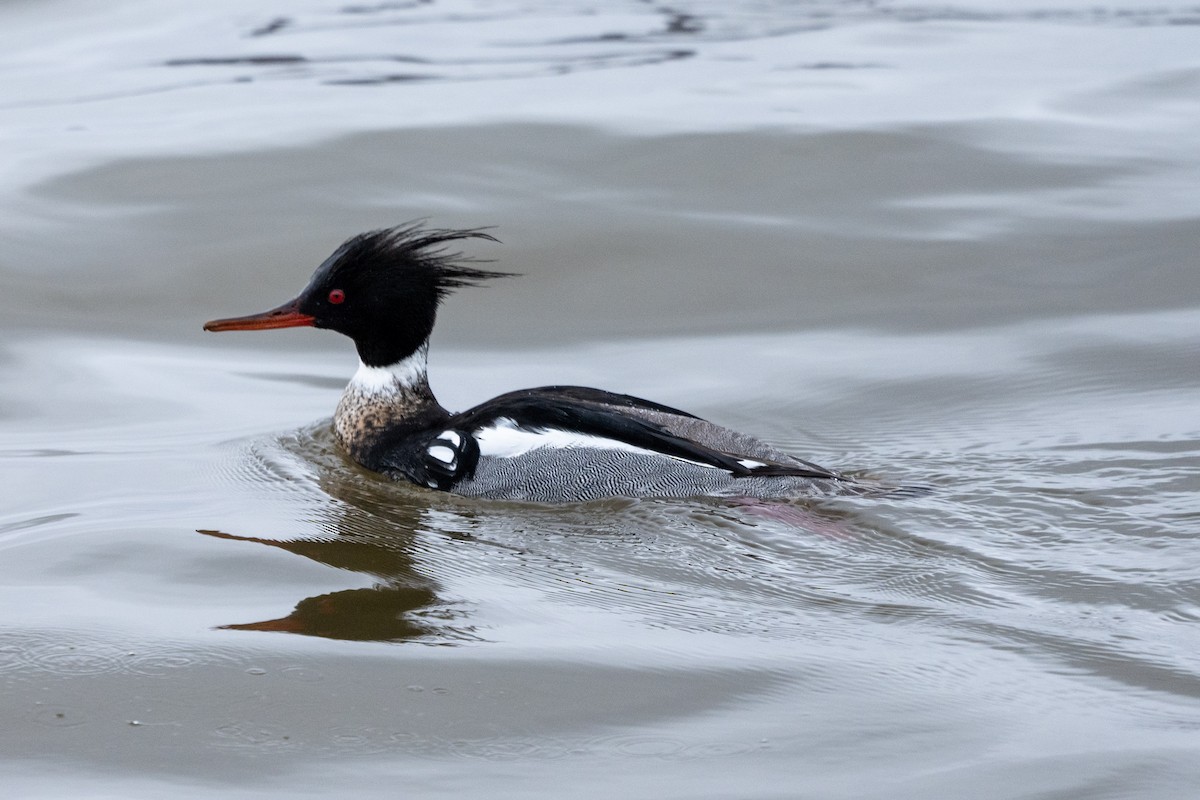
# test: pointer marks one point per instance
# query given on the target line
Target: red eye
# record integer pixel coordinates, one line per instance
(337, 296)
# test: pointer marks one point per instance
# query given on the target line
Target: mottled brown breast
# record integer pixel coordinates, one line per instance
(367, 417)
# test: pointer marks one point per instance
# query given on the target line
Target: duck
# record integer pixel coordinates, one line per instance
(550, 444)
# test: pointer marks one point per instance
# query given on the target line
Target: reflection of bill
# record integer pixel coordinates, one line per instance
(373, 614)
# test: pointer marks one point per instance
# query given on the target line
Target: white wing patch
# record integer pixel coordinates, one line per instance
(749, 463)
(506, 439)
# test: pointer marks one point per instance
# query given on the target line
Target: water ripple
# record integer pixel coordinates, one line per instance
(62, 653)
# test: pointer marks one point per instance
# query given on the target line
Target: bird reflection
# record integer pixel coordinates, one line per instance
(373, 531)
(390, 611)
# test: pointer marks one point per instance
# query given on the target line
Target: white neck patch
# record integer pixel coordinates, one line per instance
(392, 378)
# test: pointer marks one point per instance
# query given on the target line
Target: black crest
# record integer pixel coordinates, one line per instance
(412, 253)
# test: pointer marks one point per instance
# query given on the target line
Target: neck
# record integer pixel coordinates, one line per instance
(384, 404)
(406, 375)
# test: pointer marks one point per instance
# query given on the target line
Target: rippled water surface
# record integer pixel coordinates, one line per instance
(950, 246)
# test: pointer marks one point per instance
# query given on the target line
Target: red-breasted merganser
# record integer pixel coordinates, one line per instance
(552, 444)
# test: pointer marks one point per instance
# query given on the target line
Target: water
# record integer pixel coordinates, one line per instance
(949, 245)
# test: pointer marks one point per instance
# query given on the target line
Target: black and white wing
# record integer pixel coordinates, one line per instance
(566, 443)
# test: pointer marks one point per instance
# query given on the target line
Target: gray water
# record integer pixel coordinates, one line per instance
(945, 245)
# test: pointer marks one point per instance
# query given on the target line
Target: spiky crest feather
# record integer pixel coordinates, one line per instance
(418, 251)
